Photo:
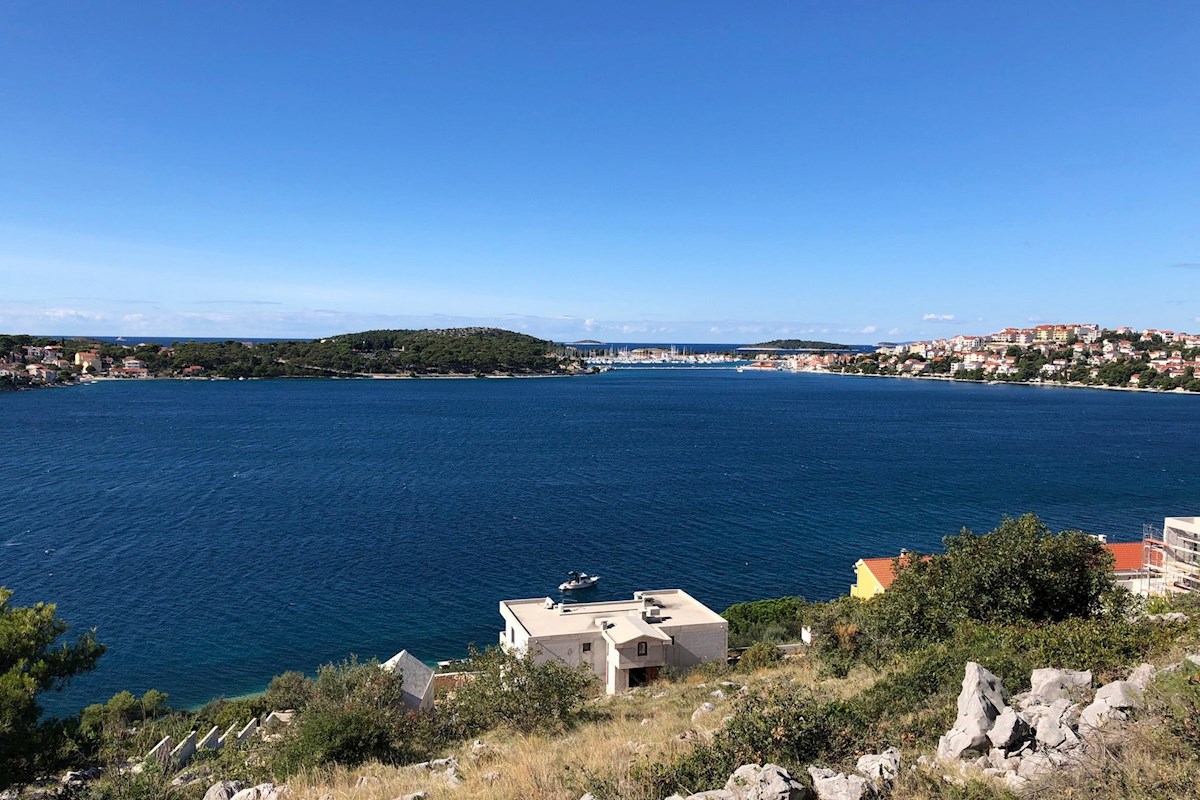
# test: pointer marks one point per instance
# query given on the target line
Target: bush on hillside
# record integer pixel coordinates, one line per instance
(777, 725)
(355, 713)
(1020, 572)
(291, 690)
(759, 655)
(512, 690)
(776, 620)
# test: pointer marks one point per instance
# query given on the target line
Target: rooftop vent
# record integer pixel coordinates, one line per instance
(548, 603)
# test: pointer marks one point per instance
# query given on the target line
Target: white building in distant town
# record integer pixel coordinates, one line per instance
(625, 642)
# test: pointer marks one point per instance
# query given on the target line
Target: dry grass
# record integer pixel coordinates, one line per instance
(1143, 762)
(652, 724)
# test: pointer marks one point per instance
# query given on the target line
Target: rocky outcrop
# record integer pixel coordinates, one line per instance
(979, 706)
(1045, 729)
(755, 782)
(1048, 685)
(1112, 702)
(873, 775)
(831, 785)
(263, 791)
(767, 782)
(224, 790)
(445, 768)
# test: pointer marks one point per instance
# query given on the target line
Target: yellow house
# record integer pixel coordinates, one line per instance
(873, 576)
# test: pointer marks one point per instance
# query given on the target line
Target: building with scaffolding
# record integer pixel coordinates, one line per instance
(1172, 556)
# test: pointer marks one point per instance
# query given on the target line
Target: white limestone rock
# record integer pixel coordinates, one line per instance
(1052, 734)
(881, 768)
(705, 708)
(1035, 765)
(1049, 685)
(1008, 731)
(260, 792)
(1142, 676)
(980, 703)
(1120, 694)
(224, 790)
(831, 785)
(766, 782)
(1111, 703)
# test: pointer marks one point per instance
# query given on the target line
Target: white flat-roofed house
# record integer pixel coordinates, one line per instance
(625, 642)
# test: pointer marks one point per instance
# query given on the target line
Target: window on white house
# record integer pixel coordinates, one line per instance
(643, 648)
(587, 647)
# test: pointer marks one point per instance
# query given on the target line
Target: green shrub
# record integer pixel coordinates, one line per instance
(513, 691)
(328, 734)
(291, 690)
(759, 655)
(774, 620)
(355, 713)
(1020, 572)
(778, 725)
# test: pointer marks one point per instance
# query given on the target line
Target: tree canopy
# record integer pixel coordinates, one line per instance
(1020, 572)
(33, 660)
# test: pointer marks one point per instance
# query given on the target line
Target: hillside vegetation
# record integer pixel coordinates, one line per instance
(450, 351)
(881, 673)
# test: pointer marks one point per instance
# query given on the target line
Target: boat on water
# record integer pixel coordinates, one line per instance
(578, 580)
(760, 366)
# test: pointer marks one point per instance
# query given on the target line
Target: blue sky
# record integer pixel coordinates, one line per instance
(625, 171)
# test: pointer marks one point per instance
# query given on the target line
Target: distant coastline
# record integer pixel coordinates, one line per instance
(1033, 384)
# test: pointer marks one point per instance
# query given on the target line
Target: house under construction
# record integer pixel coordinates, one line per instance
(1171, 557)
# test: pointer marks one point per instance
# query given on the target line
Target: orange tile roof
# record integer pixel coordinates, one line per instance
(1128, 558)
(1128, 555)
(884, 569)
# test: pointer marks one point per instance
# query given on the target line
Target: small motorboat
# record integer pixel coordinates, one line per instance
(578, 580)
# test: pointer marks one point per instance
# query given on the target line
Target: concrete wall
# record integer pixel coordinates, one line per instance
(245, 733)
(658, 654)
(699, 644)
(211, 740)
(161, 752)
(184, 751)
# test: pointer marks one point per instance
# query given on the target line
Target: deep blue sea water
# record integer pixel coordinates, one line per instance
(217, 533)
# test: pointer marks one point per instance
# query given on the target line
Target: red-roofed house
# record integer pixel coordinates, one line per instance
(1132, 568)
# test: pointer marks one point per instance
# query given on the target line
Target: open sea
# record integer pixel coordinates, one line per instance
(218, 533)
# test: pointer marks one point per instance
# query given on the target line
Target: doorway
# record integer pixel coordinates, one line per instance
(642, 676)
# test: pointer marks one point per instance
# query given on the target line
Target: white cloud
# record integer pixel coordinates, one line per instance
(589, 324)
(893, 331)
(868, 329)
(938, 318)
(73, 314)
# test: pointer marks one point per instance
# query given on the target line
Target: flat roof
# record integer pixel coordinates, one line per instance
(676, 608)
